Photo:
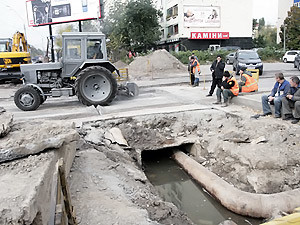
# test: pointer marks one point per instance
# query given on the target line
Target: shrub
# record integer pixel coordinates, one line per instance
(203, 56)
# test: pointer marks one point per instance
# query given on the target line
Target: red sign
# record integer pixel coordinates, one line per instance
(209, 35)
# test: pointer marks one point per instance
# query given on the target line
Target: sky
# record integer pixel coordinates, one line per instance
(267, 9)
(13, 18)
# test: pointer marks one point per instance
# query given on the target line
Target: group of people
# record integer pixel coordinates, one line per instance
(227, 85)
(285, 96)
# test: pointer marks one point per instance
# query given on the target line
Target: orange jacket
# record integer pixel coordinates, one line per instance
(196, 67)
(250, 84)
(235, 89)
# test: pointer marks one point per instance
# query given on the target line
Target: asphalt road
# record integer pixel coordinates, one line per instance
(167, 94)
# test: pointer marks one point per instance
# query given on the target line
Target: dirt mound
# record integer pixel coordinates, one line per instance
(120, 64)
(154, 64)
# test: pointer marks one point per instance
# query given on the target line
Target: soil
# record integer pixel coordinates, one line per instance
(252, 160)
(156, 64)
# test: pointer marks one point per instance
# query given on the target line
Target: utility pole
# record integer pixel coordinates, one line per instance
(284, 28)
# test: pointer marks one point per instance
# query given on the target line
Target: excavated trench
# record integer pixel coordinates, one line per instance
(250, 166)
(256, 160)
(175, 185)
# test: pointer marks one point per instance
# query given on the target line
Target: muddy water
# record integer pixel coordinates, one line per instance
(174, 185)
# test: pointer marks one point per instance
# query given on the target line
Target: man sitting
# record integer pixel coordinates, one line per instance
(229, 88)
(292, 100)
(279, 91)
(247, 82)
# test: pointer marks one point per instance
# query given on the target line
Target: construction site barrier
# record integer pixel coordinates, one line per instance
(123, 75)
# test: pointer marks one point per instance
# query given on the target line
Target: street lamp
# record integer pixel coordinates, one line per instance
(284, 28)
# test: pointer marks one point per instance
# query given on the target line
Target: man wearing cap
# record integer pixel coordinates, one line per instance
(217, 69)
(229, 88)
(247, 82)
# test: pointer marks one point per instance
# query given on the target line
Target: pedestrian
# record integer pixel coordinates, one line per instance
(229, 88)
(292, 101)
(217, 69)
(247, 82)
(193, 54)
(194, 70)
(279, 91)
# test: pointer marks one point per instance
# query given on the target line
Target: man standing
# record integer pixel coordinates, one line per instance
(279, 91)
(292, 100)
(229, 88)
(247, 82)
(195, 69)
(217, 69)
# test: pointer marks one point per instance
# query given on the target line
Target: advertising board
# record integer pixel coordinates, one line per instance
(46, 12)
(201, 16)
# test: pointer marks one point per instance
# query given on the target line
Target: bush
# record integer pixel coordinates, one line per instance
(270, 54)
(203, 56)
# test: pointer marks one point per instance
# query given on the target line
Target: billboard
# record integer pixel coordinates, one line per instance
(45, 12)
(201, 16)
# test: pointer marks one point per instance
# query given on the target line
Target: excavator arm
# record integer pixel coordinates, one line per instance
(19, 37)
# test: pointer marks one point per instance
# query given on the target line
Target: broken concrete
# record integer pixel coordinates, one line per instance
(29, 139)
(27, 185)
(6, 120)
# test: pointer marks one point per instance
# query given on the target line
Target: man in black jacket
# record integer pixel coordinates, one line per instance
(217, 69)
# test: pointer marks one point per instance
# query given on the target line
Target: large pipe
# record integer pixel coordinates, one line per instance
(240, 202)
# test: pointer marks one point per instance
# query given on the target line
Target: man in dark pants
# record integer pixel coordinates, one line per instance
(292, 101)
(217, 69)
(229, 88)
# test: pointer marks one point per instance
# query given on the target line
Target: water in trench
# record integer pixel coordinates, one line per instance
(175, 185)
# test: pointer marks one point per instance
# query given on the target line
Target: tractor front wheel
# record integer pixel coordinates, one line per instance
(27, 98)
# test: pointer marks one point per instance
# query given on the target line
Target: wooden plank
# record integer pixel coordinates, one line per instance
(66, 193)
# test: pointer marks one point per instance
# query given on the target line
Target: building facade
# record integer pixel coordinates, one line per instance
(198, 24)
(283, 7)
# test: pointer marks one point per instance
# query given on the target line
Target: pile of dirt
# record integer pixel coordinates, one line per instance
(120, 64)
(158, 63)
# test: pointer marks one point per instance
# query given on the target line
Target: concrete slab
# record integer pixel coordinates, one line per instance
(27, 185)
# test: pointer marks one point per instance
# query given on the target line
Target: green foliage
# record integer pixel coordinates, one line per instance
(270, 54)
(207, 57)
(261, 23)
(259, 42)
(266, 35)
(62, 29)
(203, 56)
(292, 32)
(35, 52)
(134, 26)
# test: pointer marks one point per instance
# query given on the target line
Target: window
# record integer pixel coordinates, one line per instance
(94, 49)
(73, 49)
(175, 11)
(172, 12)
(170, 31)
(176, 29)
(169, 13)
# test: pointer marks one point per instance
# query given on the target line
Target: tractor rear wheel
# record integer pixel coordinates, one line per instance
(27, 98)
(95, 85)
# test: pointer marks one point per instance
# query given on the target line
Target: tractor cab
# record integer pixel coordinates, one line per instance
(82, 49)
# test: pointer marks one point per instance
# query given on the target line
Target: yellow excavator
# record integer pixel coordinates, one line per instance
(13, 53)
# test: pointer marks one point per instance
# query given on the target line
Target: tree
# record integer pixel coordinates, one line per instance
(35, 51)
(261, 23)
(141, 20)
(134, 26)
(292, 29)
(265, 35)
